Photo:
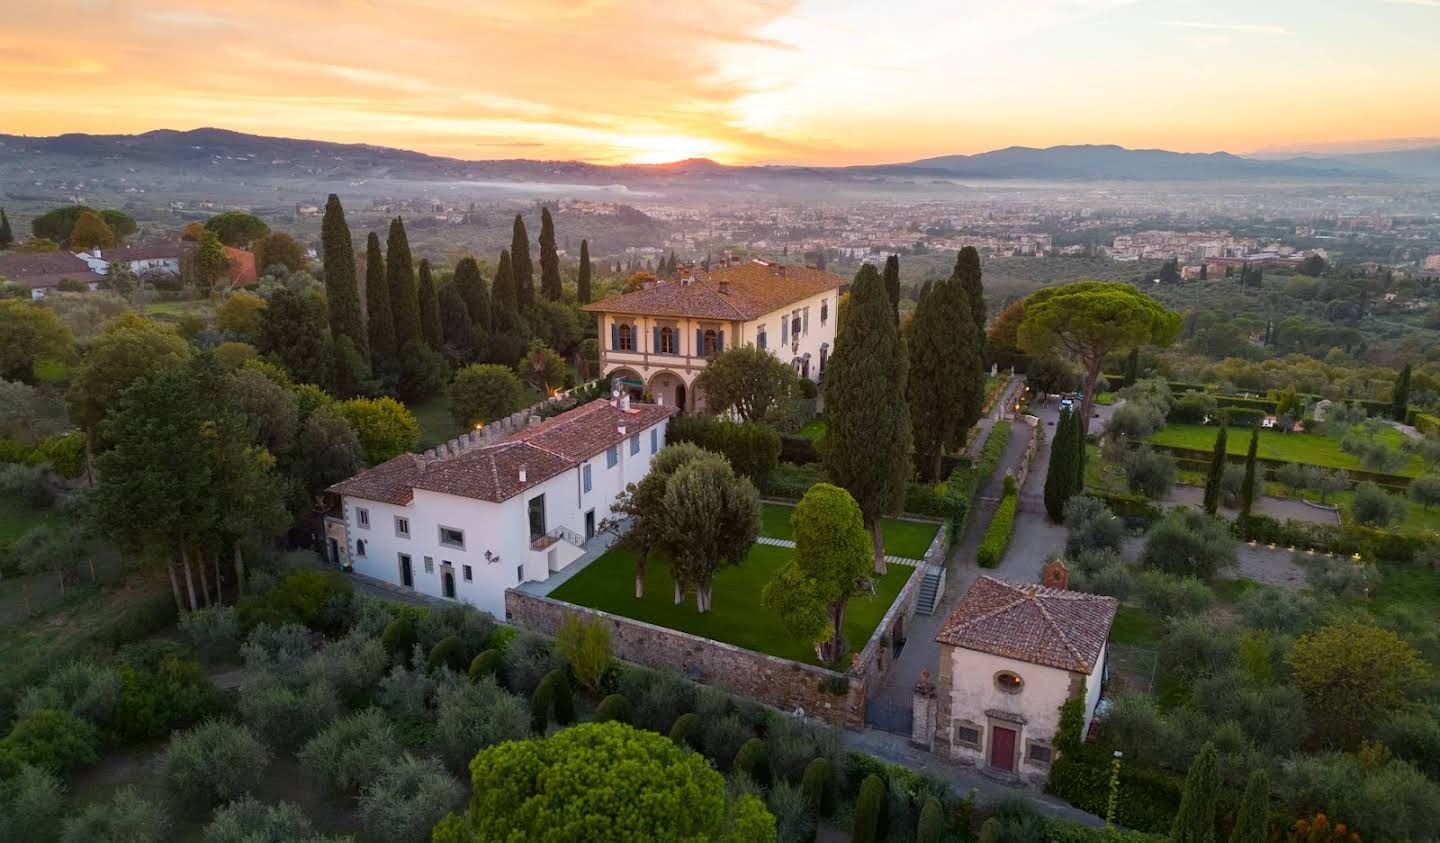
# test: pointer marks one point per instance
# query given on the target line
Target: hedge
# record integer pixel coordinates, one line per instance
(997, 535)
(869, 811)
(753, 759)
(797, 449)
(484, 664)
(613, 707)
(753, 449)
(1147, 799)
(1065, 831)
(1344, 539)
(815, 785)
(1134, 508)
(685, 731)
(1424, 422)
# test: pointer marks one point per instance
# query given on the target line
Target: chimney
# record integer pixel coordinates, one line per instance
(1056, 575)
(522, 472)
(724, 287)
(625, 402)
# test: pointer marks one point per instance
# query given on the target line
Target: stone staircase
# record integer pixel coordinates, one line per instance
(931, 587)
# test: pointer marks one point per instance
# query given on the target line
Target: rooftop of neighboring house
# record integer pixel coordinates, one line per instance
(242, 267)
(148, 252)
(738, 291)
(1031, 623)
(45, 269)
(502, 470)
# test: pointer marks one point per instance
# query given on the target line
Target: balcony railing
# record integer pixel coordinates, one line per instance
(556, 535)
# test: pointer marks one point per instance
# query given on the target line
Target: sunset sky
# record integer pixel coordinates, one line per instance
(796, 81)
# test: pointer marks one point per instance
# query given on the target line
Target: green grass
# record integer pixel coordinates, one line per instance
(813, 430)
(198, 307)
(1229, 590)
(1303, 448)
(909, 539)
(1104, 398)
(1136, 627)
(736, 616)
(436, 426)
(1414, 587)
(16, 520)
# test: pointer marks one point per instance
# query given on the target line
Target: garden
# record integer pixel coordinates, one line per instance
(905, 538)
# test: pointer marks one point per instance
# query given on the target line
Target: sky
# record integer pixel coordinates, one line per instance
(821, 82)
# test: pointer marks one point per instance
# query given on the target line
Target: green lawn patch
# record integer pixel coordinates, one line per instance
(909, 539)
(1230, 591)
(16, 520)
(436, 425)
(1136, 627)
(1303, 448)
(813, 430)
(737, 617)
(1416, 588)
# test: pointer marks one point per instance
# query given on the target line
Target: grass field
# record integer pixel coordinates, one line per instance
(16, 520)
(813, 430)
(197, 307)
(909, 539)
(436, 426)
(1303, 448)
(736, 616)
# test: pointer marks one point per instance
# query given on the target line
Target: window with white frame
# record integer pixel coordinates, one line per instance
(612, 456)
(362, 518)
(585, 477)
(402, 527)
(634, 444)
(429, 564)
(451, 537)
(468, 573)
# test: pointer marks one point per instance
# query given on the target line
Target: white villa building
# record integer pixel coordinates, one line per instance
(1011, 654)
(468, 523)
(656, 339)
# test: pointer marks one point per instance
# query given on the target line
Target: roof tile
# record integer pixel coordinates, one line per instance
(1032, 623)
(738, 292)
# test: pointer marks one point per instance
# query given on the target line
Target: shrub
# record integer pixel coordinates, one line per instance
(1187, 542)
(931, 827)
(869, 810)
(64, 453)
(564, 699)
(585, 647)
(997, 535)
(127, 817)
(285, 717)
(793, 821)
(815, 784)
(752, 448)
(300, 597)
(153, 699)
(450, 652)
(473, 627)
(408, 798)
(541, 704)
(613, 707)
(723, 737)
(752, 760)
(1090, 525)
(87, 690)
(484, 664)
(1149, 472)
(1134, 421)
(1170, 597)
(248, 820)
(347, 755)
(399, 638)
(1277, 610)
(472, 716)
(685, 731)
(1197, 646)
(353, 666)
(54, 740)
(406, 693)
(215, 632)
(26, 485)
(1374, 507)
(281, 650)
(793, 743)
(1101, 572)
(525, 660)
(214, 762)
(664, 699)
(30, 804)
(1342, 577)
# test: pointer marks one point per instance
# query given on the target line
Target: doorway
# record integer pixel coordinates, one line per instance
(537, 517)
(680, 397)
(407, 576)
(589, 525)
(447, 582)
(1002, 748)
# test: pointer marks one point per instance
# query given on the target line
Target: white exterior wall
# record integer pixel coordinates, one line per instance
(809, 341)
(1093, 684)
(974, 693)
(503, 529)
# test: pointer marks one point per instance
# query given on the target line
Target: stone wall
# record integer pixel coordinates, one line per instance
(501, 429)
(782, 683)
(869, 666)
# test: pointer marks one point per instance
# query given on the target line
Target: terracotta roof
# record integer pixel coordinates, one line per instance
(1032, 623)
(242, 266)
(742, 292)
(153, 251)
(45, 269)
(492, 472)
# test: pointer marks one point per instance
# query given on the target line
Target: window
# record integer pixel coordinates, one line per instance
(451, 537)
(1039, 753)
(519, 573)
(362, 517)
(627, 338)
(612, 456)
(805, 321)
(795, 326)
(402, 527)
(468, 573)
(711, 342)
(585, 478)
(967, 735)
(667, 340)
(360, 547)
(654, 439)
(429, 564)
(824, 311)
(1009, 682)
(536, 509)
(634, 444)
(760, 337)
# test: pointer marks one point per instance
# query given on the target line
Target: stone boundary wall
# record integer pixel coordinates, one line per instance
(868, 668)
(1029, 457)
(501, 429)
(784, 684)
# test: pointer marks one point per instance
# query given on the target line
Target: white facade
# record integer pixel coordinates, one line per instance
(498, 545)
(169, 264)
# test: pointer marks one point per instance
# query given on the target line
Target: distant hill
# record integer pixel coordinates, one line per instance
(1107, 162)
(1418, 163)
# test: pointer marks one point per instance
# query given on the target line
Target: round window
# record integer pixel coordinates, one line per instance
(1009, 682)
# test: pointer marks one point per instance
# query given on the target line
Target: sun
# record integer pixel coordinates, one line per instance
(662, 149)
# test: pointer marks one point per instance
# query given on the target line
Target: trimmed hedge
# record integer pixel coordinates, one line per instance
(997, 535)
(614, 707)
(1065, 831)
(1424, 422)
(869, 810)
(484, 664)
(753, 449)
(564, 699)
(1134, 508)
(753, 759)
(1147, 800)
(931, 827)
(685, 731)
(1345, 539)
(542, 701)
(399, 638)
(448, 652)
(815, 785)
(797, 449)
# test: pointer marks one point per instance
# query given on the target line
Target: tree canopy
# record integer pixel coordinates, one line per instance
(946, 386)
(400, 275)
(32, 334)
(483, 392)
(710, 518)
(550, 285)
(749, 380)
(429, 307)
(240, 229)
(342, 292)
(521, 266)
(90, 232)
(380, 323)
(130, 348)
(384, 426)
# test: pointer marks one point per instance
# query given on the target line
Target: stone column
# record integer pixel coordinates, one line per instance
(922, 732)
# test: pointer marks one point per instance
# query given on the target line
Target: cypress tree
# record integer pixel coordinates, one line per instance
(342, 292)
(1217, 470)
(7, 237)
(377, 300)
(520, 265)
(400, 274)
(1247, 488)
(1400, 403)
(506, 296)
(582, 277)
(1195, 820)
(1078, 456)
(967, 269)
(1132, 366)
(505, 315)
(456, 329)
(1252, 819)
(429, 308)
(946, 389)
(550, 286)
(868, 434)
(1060, 474)
(892, 283)
(475, 292)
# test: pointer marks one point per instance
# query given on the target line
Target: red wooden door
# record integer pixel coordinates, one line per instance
(1002, 748)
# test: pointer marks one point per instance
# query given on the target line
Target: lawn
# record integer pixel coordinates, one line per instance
(1415, 588)
(197, 307)
(16, 520)
(1136, 627)
(813, 430)
(1303, 448)
(909, 539)
(436, 426)
(737, 617)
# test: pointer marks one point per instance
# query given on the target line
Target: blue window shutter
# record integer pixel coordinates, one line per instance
(784, 330)
(655, 349)
(760, 340)
(720, 340)
(806, 316)
(699, 343)
(614, 336)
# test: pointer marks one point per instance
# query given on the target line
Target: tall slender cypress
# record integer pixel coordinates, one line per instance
(892, 283)
(868, 442)
(506, 296)
(429, 308)
(342, 293)
(550, 286)
(967, 269)
(377, 300)
(1060, 473)
(946, 388)
(582, 277)
(1216, 472)
(1079, 456)
(1132, 366)
(1400, 401)
(1247, 488)
(1252, 819)
(521, 266)
(1195, 819)
(475, 292)
(7, 237)
(400, 273)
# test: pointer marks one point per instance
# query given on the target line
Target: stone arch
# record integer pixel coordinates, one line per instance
(669, 388)
(628, 378)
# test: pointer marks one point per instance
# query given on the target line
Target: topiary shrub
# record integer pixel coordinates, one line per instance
(815, 784)
(485, 664)
(753, 760)
(399, 638)
(564, 700)
(613, 707)
(685, 731)
(450, 652)
(931, 827)
(541, 702)
(869, 808)
(54, 740)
